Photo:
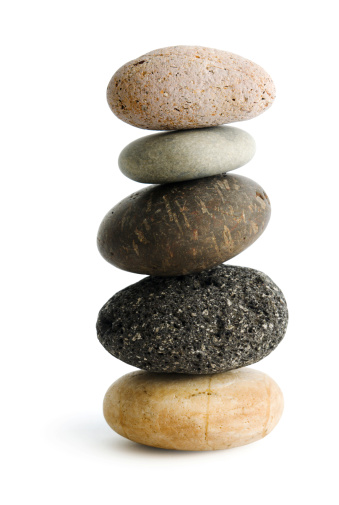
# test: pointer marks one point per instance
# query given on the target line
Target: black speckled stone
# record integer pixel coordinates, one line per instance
(210, 322)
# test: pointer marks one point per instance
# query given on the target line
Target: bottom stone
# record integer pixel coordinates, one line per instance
(194, 412)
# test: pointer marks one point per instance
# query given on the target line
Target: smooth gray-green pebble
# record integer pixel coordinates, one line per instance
(186, 154)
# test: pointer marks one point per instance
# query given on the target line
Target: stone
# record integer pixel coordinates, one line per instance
(184, 87)
(194, 413)
(184, 227)
(187, 154)
(212, 322)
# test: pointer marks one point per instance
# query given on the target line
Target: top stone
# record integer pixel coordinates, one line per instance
(184, 87)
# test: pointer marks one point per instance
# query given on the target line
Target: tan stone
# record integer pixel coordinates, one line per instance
(194, 412)
(184, 87)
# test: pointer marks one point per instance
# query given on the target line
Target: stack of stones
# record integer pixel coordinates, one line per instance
(193, 324)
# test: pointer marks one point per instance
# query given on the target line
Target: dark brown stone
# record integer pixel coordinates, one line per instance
(185, 227)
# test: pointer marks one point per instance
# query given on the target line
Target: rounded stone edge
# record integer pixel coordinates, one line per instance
(182, 171)
(103, 238)
(189, 370)
(130, 398)
(179, 51)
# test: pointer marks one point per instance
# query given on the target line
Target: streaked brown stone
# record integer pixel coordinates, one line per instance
(186, 227)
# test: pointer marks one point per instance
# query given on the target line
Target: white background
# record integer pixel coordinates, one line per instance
(59, 176)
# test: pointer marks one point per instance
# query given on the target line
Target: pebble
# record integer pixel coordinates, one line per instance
(218, 320)
(185, 87)
(194, 413)
(184, 227)
(190, 154)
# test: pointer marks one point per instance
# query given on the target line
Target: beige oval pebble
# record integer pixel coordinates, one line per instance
(194, 412)
(184, 87)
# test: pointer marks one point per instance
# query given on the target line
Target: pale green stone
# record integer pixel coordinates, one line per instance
(186, 154)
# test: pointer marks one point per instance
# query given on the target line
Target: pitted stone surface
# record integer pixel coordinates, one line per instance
(185, 87)
(184, 227)
(190, 154)
(215, 321)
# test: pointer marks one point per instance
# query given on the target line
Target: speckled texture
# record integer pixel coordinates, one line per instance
(182, 87)
(187, 154)
(212, 322)
(184, 227)
(194, 413)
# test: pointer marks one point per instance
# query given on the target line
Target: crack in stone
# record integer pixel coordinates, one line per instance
(122, 427)
(268, 413)
(208, 393)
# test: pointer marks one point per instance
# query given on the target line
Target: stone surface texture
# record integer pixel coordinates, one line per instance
(190, 154)
(184, 227)
(211, 322)
(194, 413)
(185, 87)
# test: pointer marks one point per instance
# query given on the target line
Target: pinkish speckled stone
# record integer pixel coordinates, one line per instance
(184, 87)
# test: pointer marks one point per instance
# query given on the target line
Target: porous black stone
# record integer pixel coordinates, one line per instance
(210, 322)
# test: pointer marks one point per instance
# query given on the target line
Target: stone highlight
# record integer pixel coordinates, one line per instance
(184, 87)
(194, 413)
(184, 227)
(210, 322)
(183, 155)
